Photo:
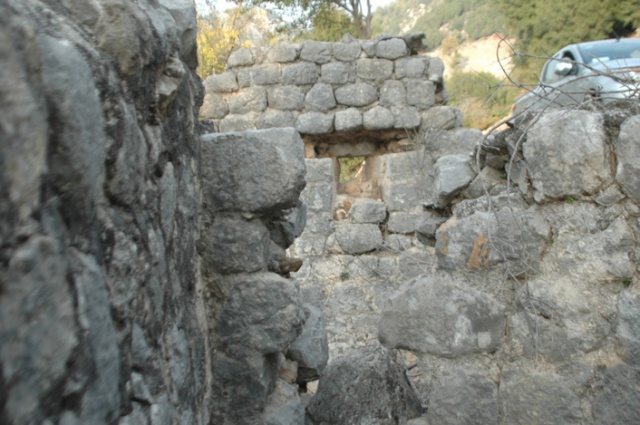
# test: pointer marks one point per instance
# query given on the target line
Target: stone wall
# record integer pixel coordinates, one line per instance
(144, 277)
(320, 87)
(100, 319)
(119, 300)
(506, 271)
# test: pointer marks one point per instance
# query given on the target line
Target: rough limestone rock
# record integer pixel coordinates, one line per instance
(285, 98)
(222, 83)
(511, 236)
(358, 94)
(402, 222)
(310, 349)
(618, 402)
(316, 51)
(300, 74)
(368, 211)
(232, 376)
(283, 53)
(237, 246)
(314, 123)
(358, 238)
(462, 397)
(627, 153)
(320, 98)
(260, 311)
(538, 399)
(348, 119)
(442, 118)
(454, 318)
(337, 73)
(566, 320)
(244, 188)
(286, 226)
(378, 118)
(577, 163)
(628, 328)
(367, 387)
(241, 57)
(453, 173)
(393, 48)
(374, 69)
(600, 241)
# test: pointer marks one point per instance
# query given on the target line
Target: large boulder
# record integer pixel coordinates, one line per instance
(476, 238)
(576, 163)
(365, 387)
(260, 311)
(253, 171)
(441, 316)
(617, 403)
(463, 397)
(530, 398)
(358, 238)
(628, 153)
(310, 349)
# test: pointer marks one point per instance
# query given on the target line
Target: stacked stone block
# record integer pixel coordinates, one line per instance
(251, 183)
(321, 87)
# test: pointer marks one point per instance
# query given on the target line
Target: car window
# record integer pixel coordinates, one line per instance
(593, 53)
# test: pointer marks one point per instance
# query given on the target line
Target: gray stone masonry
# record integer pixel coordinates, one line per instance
(379, 79)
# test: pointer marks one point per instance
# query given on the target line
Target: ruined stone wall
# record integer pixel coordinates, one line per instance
(143, 277)
(507, 274)
(143, 271)
(320, 87)
(511, 280)
(100, 319)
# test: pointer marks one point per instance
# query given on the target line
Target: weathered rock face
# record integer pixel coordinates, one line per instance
(99, 319)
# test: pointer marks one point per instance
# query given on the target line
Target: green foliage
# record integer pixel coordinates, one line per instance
(344, 276)
(329, 24)
(541, 27)
(439, 18)
(483, 98)
(220, 33)
(322, 16)
(349, 167)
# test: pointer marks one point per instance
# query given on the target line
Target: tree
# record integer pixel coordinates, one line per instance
(220, 33)
(541, 27)
(329, 24)
(359, 12)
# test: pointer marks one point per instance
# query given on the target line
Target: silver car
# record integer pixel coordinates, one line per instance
(597, 70)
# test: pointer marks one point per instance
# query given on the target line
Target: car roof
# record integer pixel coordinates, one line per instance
(611, 41)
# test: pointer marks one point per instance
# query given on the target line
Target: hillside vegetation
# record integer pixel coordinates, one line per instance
(535, 29)
(438, 19)
(459, 31)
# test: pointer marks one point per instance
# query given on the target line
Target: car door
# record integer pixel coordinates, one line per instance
(559, 84)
